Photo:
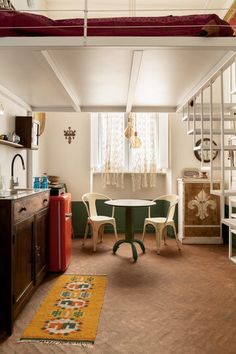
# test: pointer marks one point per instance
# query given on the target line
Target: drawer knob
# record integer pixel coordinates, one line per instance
(22, 209)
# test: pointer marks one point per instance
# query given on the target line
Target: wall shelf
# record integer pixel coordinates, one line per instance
(9, 143)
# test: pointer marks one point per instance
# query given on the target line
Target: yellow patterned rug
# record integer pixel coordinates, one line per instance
(70, 312)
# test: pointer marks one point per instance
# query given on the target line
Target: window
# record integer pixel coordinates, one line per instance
(112, 154)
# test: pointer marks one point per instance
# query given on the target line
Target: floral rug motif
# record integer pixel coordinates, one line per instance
(70, 312)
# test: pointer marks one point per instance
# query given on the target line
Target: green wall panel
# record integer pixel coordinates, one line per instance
(79, 217)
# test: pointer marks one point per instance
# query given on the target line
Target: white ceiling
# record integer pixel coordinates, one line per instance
(126, 78)
(142, 7)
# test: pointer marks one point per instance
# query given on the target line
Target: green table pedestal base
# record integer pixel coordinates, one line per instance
(134, 251)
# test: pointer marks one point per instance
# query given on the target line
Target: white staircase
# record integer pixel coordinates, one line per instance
(210, 115)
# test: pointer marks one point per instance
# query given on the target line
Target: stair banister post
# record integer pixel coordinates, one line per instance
(85, 21)
(222, 157)
(194, 124)
(188, 123)
(201, 105)
(211, 138)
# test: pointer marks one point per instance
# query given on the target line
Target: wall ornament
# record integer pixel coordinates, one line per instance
(69, 134)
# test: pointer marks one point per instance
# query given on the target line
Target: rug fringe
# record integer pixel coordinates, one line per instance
(76, 343)
(84, 275)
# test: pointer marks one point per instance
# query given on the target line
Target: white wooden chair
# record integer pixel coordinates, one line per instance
(96, 221)
(160, 223)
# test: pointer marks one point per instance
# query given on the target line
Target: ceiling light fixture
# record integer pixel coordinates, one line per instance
(129, 130)
(135, 141)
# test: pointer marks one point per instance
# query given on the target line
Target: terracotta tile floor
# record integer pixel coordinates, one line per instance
(176, 303)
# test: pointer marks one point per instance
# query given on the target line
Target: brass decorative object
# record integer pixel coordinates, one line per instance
(40, 117)
(69, 134)
(135, 141)
(129, 131)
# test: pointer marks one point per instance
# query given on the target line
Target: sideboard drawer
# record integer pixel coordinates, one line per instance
(27, 206)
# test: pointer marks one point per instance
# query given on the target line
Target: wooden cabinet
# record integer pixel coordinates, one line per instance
(23, 252)
(28, 130)
(41, 245)
(22, 263)
(198, 212)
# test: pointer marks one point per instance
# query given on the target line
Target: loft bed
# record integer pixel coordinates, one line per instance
(46, 41)
(14, 24)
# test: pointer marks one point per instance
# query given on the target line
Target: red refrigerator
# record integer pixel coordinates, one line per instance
(60, 243)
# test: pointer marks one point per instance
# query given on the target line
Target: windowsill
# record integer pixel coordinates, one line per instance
(164, 172)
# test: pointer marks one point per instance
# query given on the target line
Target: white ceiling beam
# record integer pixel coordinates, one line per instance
(62, 79)
(13, 98)
(204, 82)
(137, 43)
(134, 73)
(89, 109)
(53, 109)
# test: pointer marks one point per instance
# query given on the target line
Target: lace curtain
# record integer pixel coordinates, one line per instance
(118, 157)
(112, 148)
(144, 160)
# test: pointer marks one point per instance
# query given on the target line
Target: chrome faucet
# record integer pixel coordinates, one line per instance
(14, 183)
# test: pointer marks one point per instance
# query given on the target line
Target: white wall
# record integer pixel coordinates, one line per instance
(72, 161)
(69, 161)
(22, 4)
(7, 125)
(181, 150)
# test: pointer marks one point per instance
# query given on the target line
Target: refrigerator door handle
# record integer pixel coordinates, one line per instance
(68, 215)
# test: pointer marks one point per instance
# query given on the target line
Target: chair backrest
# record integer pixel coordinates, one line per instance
(173, 200)
(89, 200)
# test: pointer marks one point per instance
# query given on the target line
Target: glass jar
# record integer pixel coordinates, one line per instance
(36, 182)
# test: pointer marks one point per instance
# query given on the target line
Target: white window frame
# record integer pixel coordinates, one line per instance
(163, 144)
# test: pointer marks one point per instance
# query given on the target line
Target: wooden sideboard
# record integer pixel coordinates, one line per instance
(23, 252)
(199, 218)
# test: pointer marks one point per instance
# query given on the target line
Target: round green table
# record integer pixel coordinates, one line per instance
(129, 204)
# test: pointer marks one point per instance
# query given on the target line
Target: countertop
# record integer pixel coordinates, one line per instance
(21, 193)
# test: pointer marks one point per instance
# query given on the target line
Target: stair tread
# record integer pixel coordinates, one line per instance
(207, 118)
(225, 192)
(207, 131)
(217, 168)
(233, 259)
(218, 148)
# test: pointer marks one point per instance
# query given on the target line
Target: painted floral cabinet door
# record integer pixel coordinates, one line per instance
(199, 212)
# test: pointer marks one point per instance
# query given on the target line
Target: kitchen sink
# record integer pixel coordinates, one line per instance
(20, 190)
